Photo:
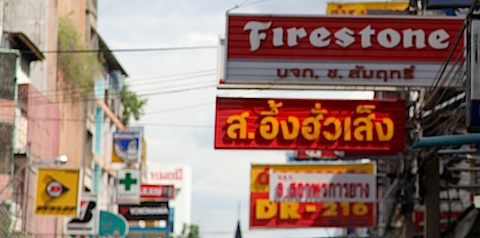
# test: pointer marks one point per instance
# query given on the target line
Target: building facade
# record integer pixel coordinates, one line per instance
(52, 110)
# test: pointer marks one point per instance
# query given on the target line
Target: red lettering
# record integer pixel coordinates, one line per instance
(280, 190)
(177, 174)
(55, 188)
(319, 190)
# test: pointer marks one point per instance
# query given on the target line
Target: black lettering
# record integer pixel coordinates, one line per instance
(87, 216)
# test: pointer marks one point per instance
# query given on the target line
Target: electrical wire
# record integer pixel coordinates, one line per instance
(439, 78)
(180, 108)
(56, 94)
(122, 50)
(164, 77)
(77, 96)
(135, 85)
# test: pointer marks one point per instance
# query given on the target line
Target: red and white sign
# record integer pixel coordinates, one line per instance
(365, 126)
(333, 50)
(266, 212)
(167, 174)
(322, 187)
(156, 192)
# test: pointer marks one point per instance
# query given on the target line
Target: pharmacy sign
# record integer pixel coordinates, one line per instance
(128, 186)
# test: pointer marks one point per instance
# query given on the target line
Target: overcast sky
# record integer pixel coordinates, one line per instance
(181, 91)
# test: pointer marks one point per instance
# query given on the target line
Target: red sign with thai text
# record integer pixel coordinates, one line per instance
(336, 211)
(365, 126)
(394, 51)
(156, 192)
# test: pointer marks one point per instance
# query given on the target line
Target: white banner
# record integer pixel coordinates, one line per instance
(87, 222)
(344, 73)
(322, 187)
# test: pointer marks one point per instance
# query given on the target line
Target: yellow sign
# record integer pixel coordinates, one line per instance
(58, 192)
(361, 8)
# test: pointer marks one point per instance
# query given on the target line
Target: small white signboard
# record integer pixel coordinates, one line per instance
(322, 187)
(128, 186)
(87, 222)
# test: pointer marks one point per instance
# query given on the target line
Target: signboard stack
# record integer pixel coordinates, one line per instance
(326, 52)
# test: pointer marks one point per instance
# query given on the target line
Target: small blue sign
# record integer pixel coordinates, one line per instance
(112, 224)
(433, 4)
(147, 232)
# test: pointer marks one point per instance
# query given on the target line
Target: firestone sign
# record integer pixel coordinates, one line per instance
(308, 50)
(321, 37)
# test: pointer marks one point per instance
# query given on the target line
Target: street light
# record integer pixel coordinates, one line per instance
(31, 163)
(62, 159)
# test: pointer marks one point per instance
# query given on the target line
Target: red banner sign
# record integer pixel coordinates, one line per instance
(367, 38)
(339, 210)
(331, 50)
(155, 192)
(367, 126)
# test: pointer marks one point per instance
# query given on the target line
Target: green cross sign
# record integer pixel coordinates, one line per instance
(128, 181)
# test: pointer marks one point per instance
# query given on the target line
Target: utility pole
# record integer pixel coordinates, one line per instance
(26, 187)
(432, 196)
(407, 205)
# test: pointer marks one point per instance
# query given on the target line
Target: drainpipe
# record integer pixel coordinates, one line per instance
(26, 190)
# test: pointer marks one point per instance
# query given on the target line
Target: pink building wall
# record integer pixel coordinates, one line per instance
(43, 134)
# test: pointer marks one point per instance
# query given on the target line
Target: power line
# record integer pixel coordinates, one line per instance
(177, 125)
(170, 80)
(53, 94)
(177, 91)
(170, 76)
(146, 124)
(77, 95)
(121, 50)
(180, 108)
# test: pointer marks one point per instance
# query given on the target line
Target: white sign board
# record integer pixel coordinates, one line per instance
(87, 222)
(128, 186)
(322, 187)
(167, 174)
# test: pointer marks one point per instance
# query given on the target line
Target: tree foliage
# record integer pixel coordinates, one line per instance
(80, 68)
(132, 105)
(189, 231)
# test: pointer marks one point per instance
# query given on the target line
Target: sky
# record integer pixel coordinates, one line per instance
(180, 85)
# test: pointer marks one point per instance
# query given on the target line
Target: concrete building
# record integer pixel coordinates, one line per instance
(50, 114)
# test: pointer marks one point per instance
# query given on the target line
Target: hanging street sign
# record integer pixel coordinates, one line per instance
(156, 192)
(128, 186)
(126, 147)
(147, 211)
(58, 192)
(87, 222)
(112, 225)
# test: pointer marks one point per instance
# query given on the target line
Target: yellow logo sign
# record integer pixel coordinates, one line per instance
(58, 192)
(362, 8)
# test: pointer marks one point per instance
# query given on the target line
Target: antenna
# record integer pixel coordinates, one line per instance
(238, 211)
